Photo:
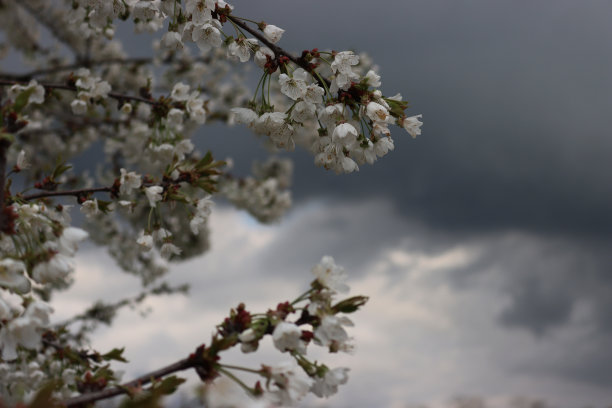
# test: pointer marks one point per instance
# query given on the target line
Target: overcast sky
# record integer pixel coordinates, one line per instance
(484, 244)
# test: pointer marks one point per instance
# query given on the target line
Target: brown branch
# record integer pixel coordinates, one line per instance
(125, 388)
(75, 193)
(69, 67)
(73, 88)
(278, 50)
(4, 145)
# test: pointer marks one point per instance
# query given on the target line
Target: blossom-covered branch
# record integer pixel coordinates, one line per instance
(131, 386)
(278, 51)
(74, 88)
(160, 187)
(77, 193)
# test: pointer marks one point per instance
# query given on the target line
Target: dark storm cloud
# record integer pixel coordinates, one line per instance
(514, 100)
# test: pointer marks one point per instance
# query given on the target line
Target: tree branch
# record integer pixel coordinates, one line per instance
(4, 145)
(73, 88)
(276, 49)
(75, 193)
(69, 67)
(125, 388)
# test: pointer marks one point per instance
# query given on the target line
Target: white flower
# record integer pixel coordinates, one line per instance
(69, 240)
(261, 56)
(242, 48)
(168, 249)
(331, 275)
(175, 117)
(207, 36)
(22, 161)
(269, 122)
(182, 148)
(55, 270)
(39, 311)
(129, 181)
(377, 112)
(78, 107)
(303, 111)
(12, 275)
(163, 152)
(292, 382)
(153, 194)
(247, 336)
(200, 10)
(180, 92)
(347, 164)
(244, 116)
(287, 337)
(373, 79)
(364, 154)
(37, 92)
(195, 107)
(345, 134)
(273, 33)
(203, 210)
(295, 86)
(330, 333)
(172, 41)
(19, 332)
(145, 241)
(328, 384)
(412, 125)
(90, 208)
(383, 146)
(196, 223)
(161, 234)
(314, 94)
(341, 66)
(23, 331)
(343, 61)
(126, 108)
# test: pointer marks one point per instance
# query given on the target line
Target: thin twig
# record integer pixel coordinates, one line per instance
(76, 193)
(73, 88)
(125, 388)
(4, 145)
(70, 67)
(278, 50)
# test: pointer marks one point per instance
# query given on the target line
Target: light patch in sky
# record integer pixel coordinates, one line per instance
(421, 339)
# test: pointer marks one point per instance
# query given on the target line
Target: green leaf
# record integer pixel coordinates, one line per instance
(168, 385)
(60, 169)
(151, 398)
(204, 161)
(44, 396)
(22, 100)
(115, 354)
(350, 305)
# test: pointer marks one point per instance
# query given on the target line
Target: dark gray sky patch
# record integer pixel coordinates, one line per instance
(513, 99)
(535, 309)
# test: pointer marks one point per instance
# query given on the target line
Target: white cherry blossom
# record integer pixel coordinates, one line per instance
(273, 33)
(412, 125)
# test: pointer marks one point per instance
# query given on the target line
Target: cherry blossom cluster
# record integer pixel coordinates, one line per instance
(148, 202)
(266, 195)
(316, 318)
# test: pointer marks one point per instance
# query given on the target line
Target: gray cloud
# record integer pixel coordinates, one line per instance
(513, 99)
